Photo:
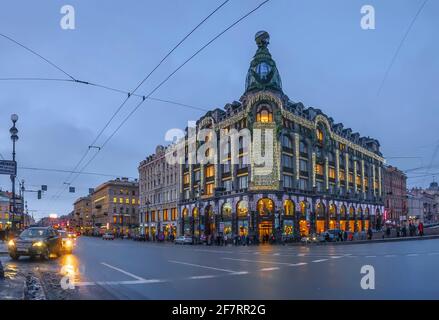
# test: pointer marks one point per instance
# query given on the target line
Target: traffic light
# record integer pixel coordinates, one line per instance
(44, 187)
(39, 194)
(72, 189)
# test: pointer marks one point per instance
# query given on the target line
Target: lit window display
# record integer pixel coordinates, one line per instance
(243, 228)
(289, 207)
(265, 206)
(227, 210)
(242, 209)
(288, 228)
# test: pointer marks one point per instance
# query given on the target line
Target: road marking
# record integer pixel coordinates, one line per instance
(239, 273)
(320, 260)
(371, 256)
(300, 254)
(336, 257)
(202, 277)
(298, 264)
(390, 256)
(200, 266)
(131, 282)
(276, 254)
(124, 272)
(433, 253)
(412, 255)
(270, 262)
(269, 269)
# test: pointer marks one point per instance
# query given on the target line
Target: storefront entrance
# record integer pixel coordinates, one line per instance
(304, 229)
(265, 231)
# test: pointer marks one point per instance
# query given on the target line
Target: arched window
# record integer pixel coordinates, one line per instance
(351, 212)
(242, 208)
(264, 115)
(185, 215)
(289, 207)
(320, 135)
(303, 208)
(195, 213)
(265, 206)
(227, 210)
(286, 142)
(343, 212)
(332, 211)
(320, 210)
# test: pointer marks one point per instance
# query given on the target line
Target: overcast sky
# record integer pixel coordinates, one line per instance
(326, 60)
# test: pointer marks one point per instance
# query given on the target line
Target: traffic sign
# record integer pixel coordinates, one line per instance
(8, 167)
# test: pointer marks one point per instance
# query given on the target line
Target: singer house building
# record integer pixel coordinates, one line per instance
(323, 175)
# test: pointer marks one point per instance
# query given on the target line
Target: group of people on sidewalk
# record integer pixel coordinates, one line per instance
(412, 230)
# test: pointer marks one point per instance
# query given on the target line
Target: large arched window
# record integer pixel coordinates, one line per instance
(332, 211)
(195, 213)
(320, 135)
(185, 213)
(264, 115)
(303, 208)
(289, 207)
(227, 210)
(343, 212)
(265, 206)
(320, 210)
(242, 208)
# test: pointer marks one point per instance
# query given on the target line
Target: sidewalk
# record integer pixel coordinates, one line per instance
(13, 286)
(3, 248)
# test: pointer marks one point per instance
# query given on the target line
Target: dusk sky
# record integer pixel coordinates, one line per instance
(325, 59)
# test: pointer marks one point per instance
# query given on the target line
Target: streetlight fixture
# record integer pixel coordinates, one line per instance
(14, 137)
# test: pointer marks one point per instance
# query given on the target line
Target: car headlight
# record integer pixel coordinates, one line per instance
(68, 243)
(11, 243)
(38, 244)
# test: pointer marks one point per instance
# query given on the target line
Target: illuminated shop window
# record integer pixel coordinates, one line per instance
(265, 206)
(209, 189)
(242, 208)
(209, 171)
(289, 207)
(114, 200)
(227, 210)
(319, 169)
(331, 173)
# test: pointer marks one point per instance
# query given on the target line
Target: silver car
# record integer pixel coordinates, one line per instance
(183, 240)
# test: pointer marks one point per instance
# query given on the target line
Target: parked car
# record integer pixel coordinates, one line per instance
(33, 242)
(183, 240)
(68, 243)
(312, 238)
(329, 235)
(139, 237)
(108, 236)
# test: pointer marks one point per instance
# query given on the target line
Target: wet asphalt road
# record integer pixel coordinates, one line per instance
(123, 269)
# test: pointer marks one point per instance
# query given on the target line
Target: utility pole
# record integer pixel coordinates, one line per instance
(14, 137)
(22, 203)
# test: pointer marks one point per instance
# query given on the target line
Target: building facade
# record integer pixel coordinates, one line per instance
(158, 185)
(82, 217)
(395, 195)
(320, 175)
(423, 204)
(115, 206)
(5, 223)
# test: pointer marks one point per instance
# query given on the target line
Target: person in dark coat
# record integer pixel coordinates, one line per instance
(404, 230)
(369, 234)
(388, 232)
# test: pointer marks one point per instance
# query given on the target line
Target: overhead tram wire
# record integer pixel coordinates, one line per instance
(165, 80)
(140, 84)
(69, 171)
(121, 91)
(395, 55)
(38, 55)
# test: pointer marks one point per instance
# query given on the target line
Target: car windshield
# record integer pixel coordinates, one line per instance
(33, 233)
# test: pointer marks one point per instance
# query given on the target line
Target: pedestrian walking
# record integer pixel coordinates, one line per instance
(369, 234)
(388, 232)
(421, 229)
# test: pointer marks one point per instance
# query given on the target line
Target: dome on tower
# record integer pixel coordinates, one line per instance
(263, 73)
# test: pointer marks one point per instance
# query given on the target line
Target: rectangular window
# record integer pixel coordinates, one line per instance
(228, 185)
(114, 200)
(127, 201)
(114, 219)
(331, 173)
(120, 200)
(243, 182)
(209, 189)
(152, 216)
(319, 169)
(351, 178)
(287, 161)
(303, 184)
(288, 181)
(209, 171)
(133, 201)
(342, 175)
(165, 215)
(197, 175)
(303, 164)
(186, 178)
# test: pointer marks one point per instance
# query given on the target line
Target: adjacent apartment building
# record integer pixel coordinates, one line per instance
(158, 186)
(82, 217)
(395, 195)
(115, 206)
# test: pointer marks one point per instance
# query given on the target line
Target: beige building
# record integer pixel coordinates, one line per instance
(115, 206)
(82, 218)
(158, 183)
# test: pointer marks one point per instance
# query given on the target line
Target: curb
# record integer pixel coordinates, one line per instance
(429, 237)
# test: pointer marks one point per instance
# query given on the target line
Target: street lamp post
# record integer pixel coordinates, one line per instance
(14, 137)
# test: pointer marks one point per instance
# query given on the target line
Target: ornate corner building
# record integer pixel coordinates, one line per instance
(322, 176)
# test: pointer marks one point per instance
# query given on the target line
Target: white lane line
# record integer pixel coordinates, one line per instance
(300, 254)
(124, 272)
(201, 266)
(202, 277)
(298, 264)
(371, 256)
(129, 282)
(276, 254)
(390, 256)
(269, 269)
(336, 257)
(412, 255)
(433, 253)
(319, 260)
(265, 261)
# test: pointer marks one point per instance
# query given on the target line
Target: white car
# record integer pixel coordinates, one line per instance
(108, 236)
(183, 240)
